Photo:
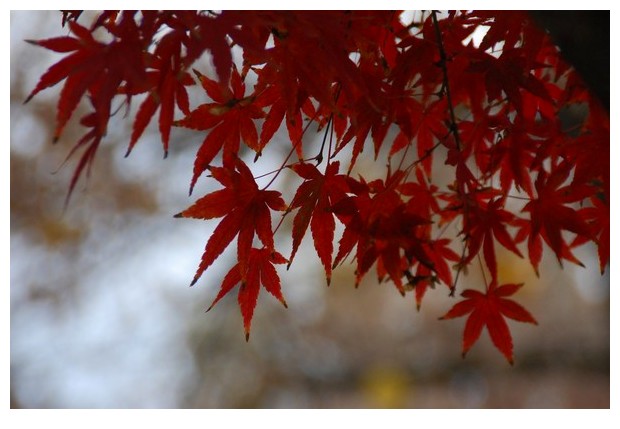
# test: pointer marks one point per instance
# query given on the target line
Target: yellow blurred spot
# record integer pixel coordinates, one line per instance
(512, 269)
(385, 387)
(56, 232)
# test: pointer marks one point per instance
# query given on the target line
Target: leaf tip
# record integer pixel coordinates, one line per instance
(247, 336)
(178, 215)
(197, 73)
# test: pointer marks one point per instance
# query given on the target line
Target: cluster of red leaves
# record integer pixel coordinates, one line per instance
(491, 112)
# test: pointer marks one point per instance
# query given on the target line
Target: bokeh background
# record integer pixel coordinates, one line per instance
(102, 315)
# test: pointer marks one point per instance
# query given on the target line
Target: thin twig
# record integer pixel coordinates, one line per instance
(446, 85)
(292, 150)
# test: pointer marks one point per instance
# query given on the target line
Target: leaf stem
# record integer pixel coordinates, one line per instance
(291, 151)
(484, 276)
(319, 157)
(458, 271)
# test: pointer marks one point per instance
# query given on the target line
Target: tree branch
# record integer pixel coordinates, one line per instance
(446, 85)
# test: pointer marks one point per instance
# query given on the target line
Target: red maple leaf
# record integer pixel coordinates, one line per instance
(166, 81)
(490, 309)
(314, 198)
(550, 214)
(232, 115)
(439, 254)
(513, 155)
(92, 140)
(598, 219)
(259, 270)
(425, 123)
(485, 223)
(378, 223)
(508, 74)
(93, 66)
(282, 109)
(245, 209)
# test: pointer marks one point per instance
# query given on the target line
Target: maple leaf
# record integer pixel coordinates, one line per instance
(509, 73)
(368, 119)
(282, 109)
(245, 209)
(381, 227)
(314, 198)
(436, 270)
(422, 199)
(232, 115)
(439, 253)
(592, 149)
(92, 139)
(259, 270)
(485, 223)
(549, 214)
(424, 123)
(166, 91)
(70, 15)
(599, 221)
(92, 66)
(513, 155)
(490, 309)
(508, 27)
(96, 68)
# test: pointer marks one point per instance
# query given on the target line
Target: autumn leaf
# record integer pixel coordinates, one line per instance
(379, 226)
(231, 117)
(91, 140)
(167, 91)
(490, 310)
(283, 107)
(93, 66)
(245, 210)
(599, 221)
(550, 214)
(512, 155)
(509, 74)
(259, 270)
(485, 224)
(314, 198)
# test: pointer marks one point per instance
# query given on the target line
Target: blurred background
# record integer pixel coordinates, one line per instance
(102, 315)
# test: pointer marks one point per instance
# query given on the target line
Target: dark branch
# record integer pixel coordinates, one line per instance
(446, 85)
